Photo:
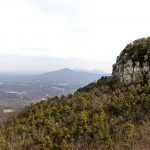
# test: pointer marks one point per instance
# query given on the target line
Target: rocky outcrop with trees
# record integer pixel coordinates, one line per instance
(134, 61)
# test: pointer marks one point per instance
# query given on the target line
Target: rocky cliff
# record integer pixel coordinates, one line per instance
(134, 61)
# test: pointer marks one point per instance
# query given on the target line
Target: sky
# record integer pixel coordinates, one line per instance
(40, 36)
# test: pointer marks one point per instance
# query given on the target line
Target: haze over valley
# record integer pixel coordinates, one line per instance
(20, 90)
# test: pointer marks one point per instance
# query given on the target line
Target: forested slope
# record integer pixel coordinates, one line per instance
(102, 115)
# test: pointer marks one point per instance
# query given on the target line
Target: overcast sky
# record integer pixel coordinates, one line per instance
(91, 31)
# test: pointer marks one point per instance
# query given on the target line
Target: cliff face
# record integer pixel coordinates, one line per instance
(133, 62)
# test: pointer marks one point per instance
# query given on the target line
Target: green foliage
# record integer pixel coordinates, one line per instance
(44, 143)
(136, 51)
(4, 145)
(99, 115)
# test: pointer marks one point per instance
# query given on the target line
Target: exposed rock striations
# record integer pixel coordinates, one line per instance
(134, 61)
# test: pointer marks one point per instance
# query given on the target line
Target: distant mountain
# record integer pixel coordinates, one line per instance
(69, 75)
(19, 90)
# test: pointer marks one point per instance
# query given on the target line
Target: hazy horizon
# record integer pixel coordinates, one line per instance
(40, 36)
(42, 64)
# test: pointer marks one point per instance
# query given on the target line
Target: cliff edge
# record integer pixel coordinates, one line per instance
(133, 62)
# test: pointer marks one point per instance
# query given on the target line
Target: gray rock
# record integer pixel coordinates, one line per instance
(129, 72)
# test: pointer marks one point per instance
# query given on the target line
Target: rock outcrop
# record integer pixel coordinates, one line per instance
(133, 62)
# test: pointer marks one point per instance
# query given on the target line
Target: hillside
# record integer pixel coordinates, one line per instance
(107, 114)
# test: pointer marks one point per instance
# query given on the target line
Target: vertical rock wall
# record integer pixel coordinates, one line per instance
(130, 71)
